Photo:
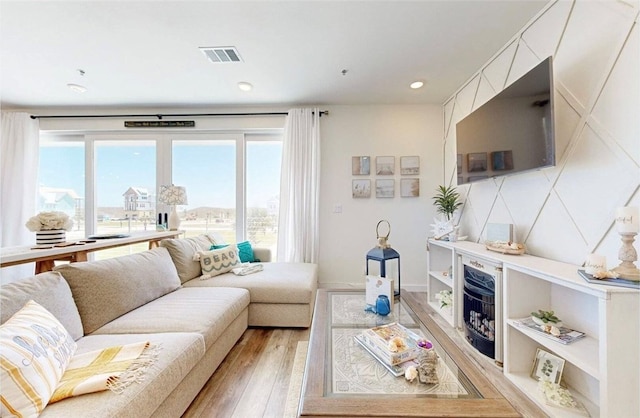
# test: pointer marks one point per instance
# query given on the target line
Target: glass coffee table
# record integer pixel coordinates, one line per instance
(343, 379)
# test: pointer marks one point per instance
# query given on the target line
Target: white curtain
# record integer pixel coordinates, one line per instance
(19, 153)
(300, 187)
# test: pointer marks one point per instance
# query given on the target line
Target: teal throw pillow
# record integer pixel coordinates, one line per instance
(245, 251)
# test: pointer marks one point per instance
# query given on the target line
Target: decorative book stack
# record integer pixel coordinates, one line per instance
(377, 341)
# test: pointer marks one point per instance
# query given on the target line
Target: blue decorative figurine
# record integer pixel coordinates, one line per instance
(382, 305)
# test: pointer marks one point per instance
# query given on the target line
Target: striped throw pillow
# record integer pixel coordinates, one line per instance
(35, 350)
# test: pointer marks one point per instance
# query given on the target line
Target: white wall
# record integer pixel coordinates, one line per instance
(346, 237)
(565, 212)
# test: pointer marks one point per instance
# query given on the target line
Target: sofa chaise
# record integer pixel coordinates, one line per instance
(159, 296)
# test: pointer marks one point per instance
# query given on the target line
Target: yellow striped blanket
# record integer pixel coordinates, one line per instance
(113, 368)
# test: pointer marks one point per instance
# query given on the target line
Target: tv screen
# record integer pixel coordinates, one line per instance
(512, 132)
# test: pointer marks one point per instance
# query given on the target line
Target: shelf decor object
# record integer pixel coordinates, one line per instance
(173, 196)
(383, 253)
(627, 225)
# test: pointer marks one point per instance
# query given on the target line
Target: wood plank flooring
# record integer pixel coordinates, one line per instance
(253, 380)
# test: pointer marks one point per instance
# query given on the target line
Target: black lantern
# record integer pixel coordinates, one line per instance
(383, 253)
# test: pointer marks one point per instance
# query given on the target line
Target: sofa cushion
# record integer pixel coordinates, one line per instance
(182, 252)
(49, 290)
(216, 262)
(106, 289)
(277, 283)
(35, 350)
(179, 353)
(205, 311)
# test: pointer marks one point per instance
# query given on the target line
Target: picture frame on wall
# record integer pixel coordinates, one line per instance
(410, 165)
(410, 187)
(502, 160)
(361, 166)
(385, 188)
(385, 166)
(360, 188)
(547, 366)
(476, 161)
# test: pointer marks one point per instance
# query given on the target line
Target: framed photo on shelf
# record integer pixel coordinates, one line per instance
(385, 188)
(385, 166)
(361, 188)
(410, 166)
(410, 187)
(502, 160)
(361, 166)
(476, 161)
(547, 366)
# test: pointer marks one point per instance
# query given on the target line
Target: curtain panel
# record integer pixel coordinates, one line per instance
(300, 187)
(19, 153)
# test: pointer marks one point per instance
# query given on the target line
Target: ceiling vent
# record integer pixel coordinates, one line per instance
(221, 54)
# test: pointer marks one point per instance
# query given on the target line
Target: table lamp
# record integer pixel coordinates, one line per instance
(173, 196)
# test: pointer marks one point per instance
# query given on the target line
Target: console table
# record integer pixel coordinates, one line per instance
(45, 258)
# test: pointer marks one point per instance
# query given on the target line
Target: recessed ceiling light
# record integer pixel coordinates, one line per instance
(244, 86)
(77, 88)
(416, 84)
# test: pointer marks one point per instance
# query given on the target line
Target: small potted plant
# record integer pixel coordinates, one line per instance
(50, 227)
(446, 201)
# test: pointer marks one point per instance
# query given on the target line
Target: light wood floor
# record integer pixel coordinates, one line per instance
(253, 379)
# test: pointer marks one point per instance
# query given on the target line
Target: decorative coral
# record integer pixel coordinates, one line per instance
(47, 221)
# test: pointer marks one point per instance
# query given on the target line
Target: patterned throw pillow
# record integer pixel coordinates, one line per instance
(35, 350)
(218, 261)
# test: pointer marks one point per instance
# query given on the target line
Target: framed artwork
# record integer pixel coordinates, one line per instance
(459, 163)
(477, 161)
(385, 188)
(409, 187)
(385, 166)
(502, 160)
(410, 166)
(361, 166)
(547, 366)
(361, 188)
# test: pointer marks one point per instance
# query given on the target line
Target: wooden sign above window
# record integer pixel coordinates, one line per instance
(159, 124)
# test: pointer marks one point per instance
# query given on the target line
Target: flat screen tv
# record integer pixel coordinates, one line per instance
(511, 133)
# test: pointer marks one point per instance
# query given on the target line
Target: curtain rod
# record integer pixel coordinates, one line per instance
(172, 115)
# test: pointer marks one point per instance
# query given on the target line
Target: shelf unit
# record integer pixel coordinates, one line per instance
(601, 370)
(441, 268)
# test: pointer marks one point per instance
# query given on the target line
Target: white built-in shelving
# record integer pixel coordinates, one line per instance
(602, 370)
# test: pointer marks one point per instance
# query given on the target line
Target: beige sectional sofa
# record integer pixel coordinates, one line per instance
(151, 296)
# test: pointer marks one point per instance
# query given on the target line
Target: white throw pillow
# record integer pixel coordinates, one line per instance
(35, 350)
(218, 261)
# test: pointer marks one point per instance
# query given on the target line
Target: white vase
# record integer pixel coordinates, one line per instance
(52, 236)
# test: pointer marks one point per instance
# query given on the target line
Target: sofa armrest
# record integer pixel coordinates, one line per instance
(262, 254)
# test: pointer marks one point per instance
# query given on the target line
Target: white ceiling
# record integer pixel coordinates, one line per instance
(145, 53)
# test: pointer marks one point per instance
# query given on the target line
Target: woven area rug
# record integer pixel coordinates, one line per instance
(295, 383)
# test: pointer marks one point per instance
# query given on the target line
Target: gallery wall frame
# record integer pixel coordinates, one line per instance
(361, 165)
(502, 160)
(385, 188)
(410, 187)
(410, 165)
(476, 161)
(385, 166)
(361, 188)
(547, 366)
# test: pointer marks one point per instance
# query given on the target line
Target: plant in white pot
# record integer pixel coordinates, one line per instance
(446, 200)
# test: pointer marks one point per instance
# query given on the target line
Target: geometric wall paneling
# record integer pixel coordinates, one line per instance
(448, 114)
(543, 35)
(555, 236)
(467, 95)
(469, 225)
(497, 70)
(482, 195)
(582, 181)
(450, 164)
(622, 121)
(499, 214)
(566, 123)
(524, 60)
(525, 194)
(599, 28)
(485, 92)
